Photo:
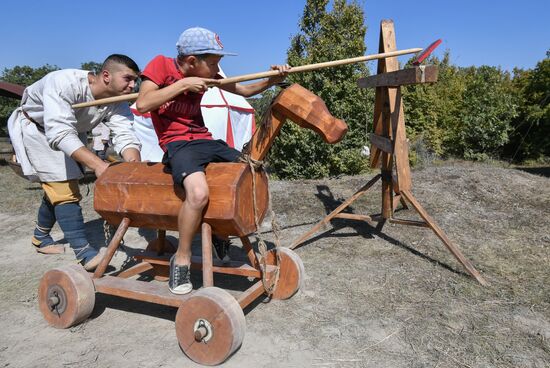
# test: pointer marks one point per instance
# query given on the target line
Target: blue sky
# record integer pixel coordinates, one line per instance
(66, 33)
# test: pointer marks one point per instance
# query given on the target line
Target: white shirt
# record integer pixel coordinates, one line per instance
(49, 103)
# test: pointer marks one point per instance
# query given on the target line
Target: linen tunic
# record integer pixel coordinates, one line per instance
(44, 148)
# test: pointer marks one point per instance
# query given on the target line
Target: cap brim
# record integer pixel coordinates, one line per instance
(215, 52)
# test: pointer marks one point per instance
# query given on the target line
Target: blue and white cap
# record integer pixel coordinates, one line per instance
(199, 41)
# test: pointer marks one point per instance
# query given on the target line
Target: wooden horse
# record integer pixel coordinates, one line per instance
(210, 323)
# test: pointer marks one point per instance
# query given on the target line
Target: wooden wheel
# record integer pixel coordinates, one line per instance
(66, 296)
(210, 326)
(291, 272)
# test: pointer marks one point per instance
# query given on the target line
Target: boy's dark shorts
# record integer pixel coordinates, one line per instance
(183, 158)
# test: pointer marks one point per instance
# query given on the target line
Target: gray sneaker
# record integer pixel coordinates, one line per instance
(180, 278)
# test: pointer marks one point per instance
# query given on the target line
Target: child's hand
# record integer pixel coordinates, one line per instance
(197, 85)
(283, 72)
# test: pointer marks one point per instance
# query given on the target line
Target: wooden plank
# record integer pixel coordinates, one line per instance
(151, 292)
(387, 34)
(353, 216)
(381, 95)
(441, 235)
(387, 42)
(112, 247)
(416, 75)
(249, 249)
(401, 147)
(379, 103)
(397, 198)
(251, 294)
(228, 268)
(207, 273)
(381, 143)
(135, 270)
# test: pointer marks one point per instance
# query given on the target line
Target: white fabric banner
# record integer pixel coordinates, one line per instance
(226, 115)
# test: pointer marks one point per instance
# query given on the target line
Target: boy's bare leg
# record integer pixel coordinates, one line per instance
(189, 218)
(190, 214)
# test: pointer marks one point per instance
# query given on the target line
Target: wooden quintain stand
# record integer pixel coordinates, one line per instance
(210, 323)
(389, 147)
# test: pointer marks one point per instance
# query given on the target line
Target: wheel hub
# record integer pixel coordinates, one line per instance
(57, 300)
(203, 330)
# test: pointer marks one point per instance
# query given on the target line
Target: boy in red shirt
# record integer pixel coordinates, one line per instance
(171, 90)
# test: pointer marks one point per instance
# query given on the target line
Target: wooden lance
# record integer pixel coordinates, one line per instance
(271, 73)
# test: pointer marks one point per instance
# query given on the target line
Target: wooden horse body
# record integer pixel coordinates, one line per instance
(145, 193)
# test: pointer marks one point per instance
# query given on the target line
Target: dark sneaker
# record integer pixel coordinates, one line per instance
(221, 248)
(47, 248)
(180, 278)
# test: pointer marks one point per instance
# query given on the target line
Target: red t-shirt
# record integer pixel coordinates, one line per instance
(178, 119)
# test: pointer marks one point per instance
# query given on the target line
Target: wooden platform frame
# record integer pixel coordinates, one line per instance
(390, 150)
(122, 286)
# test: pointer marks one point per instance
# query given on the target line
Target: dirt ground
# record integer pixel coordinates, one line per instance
(395, 298)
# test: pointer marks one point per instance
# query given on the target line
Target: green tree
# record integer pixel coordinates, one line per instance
(466, 114)
(327, 35)
(530, 139)
(24, 76)
(487, 110)
(432, 111)
(91, 66)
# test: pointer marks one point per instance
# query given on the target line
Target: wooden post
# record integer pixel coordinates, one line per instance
(112, 247)
(207, 273)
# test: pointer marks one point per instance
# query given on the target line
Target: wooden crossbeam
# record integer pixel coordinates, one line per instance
(152, 292)
(382, 143)
(416, 75)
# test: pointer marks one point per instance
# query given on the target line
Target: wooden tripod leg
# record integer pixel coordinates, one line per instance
(112, 247)
(441, 235)
(340, 208)
(397, 199)
(206, 238)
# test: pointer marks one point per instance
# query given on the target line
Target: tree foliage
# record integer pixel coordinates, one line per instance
(24, 76)
(530, 138)
(466, 114)
(326, 35)
(91, 66)
(487, 110)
